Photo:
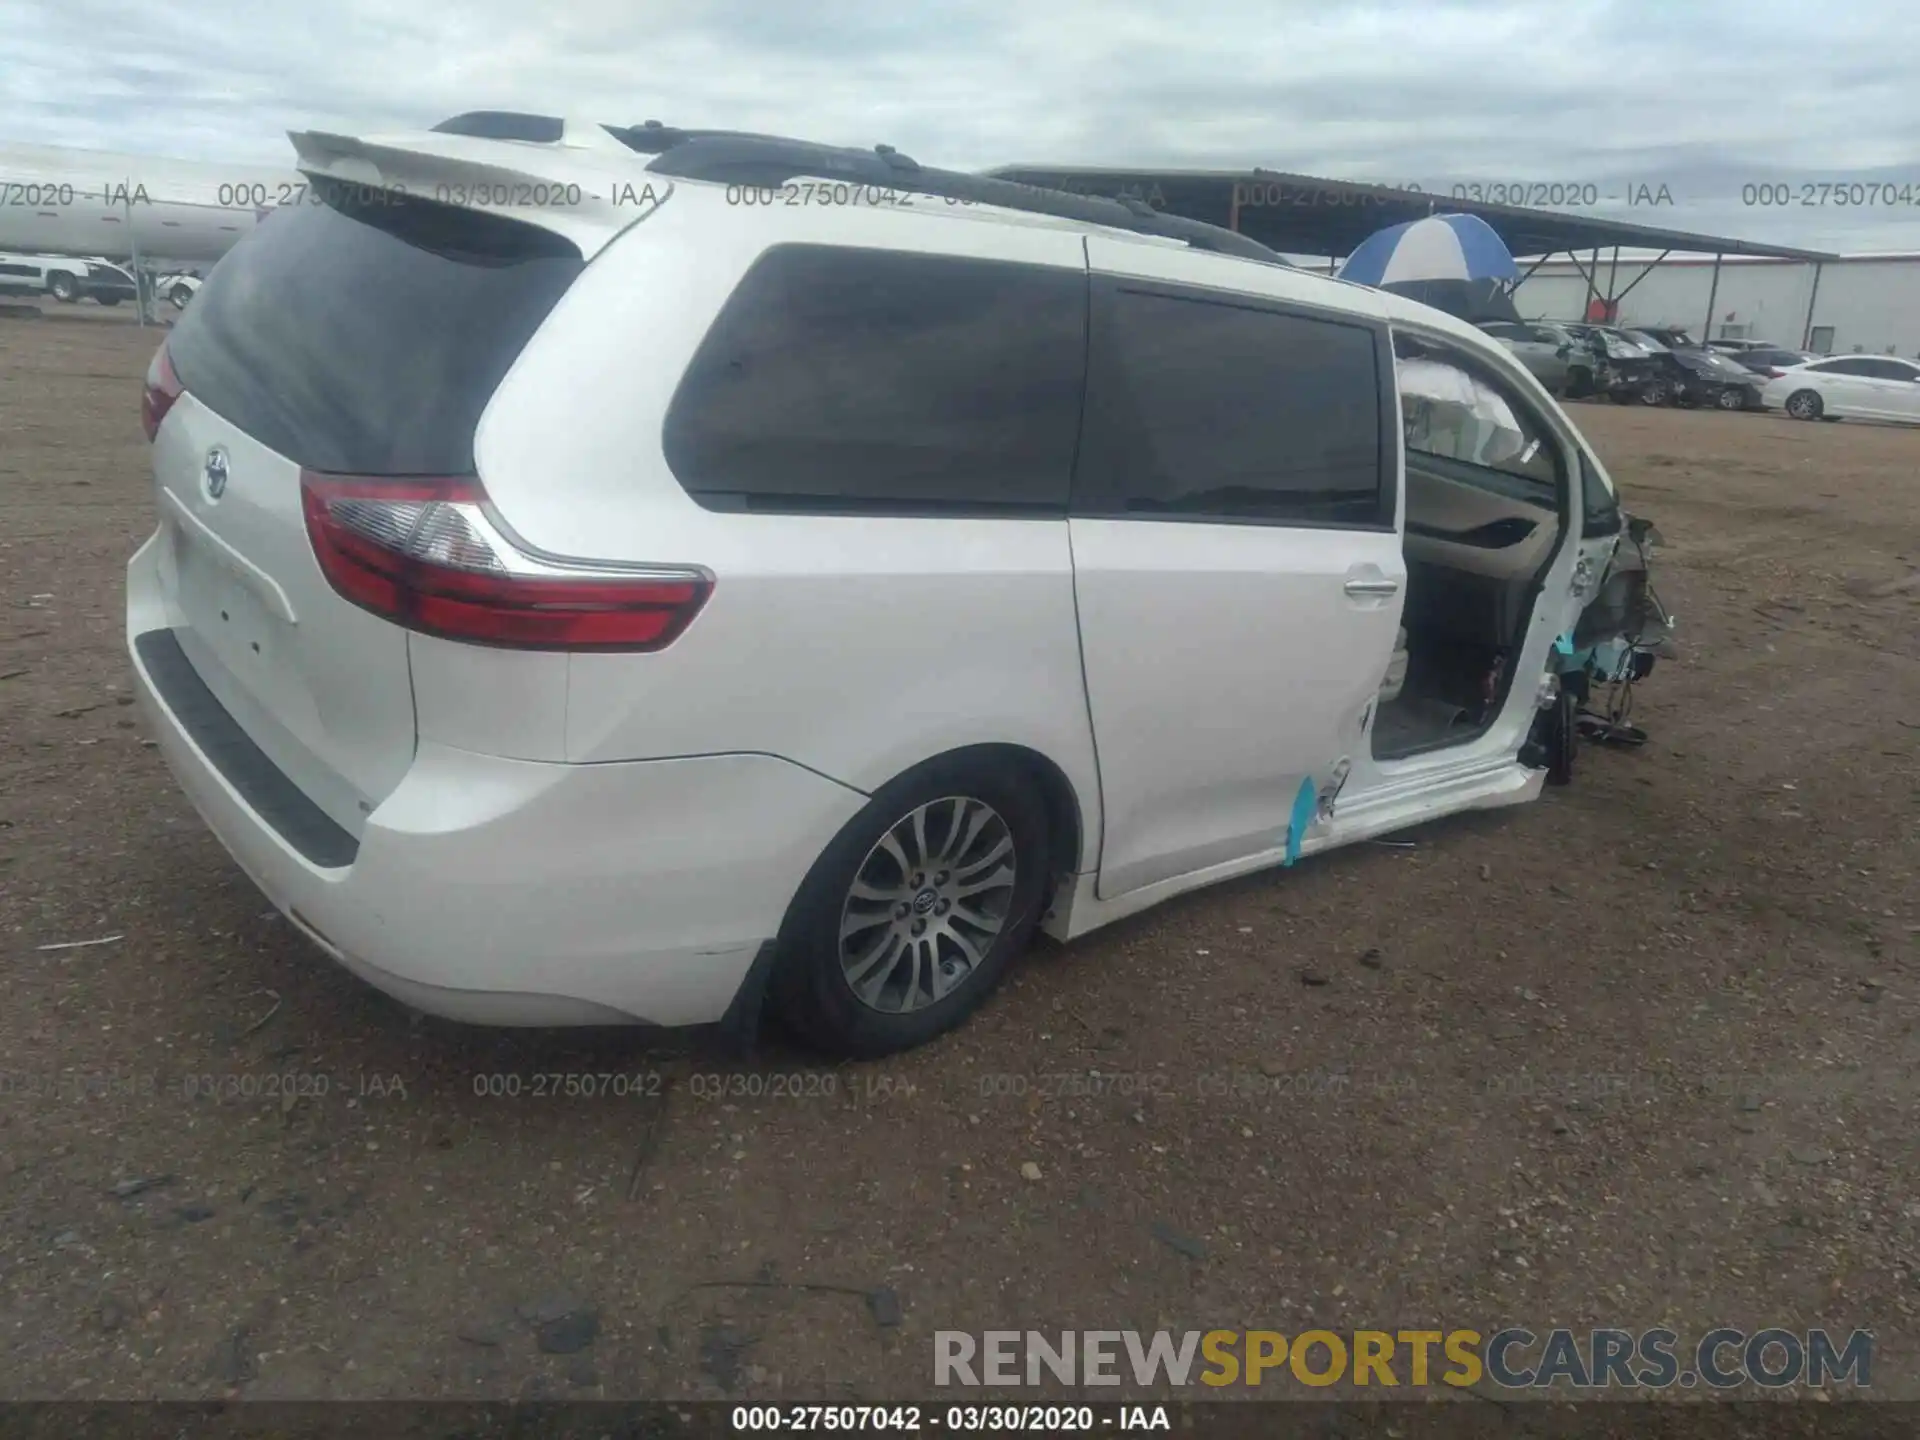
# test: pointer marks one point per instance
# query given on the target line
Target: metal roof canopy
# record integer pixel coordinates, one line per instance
(1306, 215)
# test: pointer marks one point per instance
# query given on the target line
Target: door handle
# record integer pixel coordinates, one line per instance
(1372, 587)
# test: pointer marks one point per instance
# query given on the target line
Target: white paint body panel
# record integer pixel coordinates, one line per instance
(507, 892)
(1224, 666)
(320, 685)
(857, 646)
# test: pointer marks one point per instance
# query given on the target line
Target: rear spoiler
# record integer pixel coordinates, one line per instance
(572, 191)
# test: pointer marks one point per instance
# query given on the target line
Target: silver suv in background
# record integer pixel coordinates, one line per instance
(1545, 350)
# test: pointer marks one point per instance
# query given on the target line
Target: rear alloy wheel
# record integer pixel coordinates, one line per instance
(63, 287)
(1805, 405)
(178, 296)
(1654, 392)
(910, 918)
(1733, 398)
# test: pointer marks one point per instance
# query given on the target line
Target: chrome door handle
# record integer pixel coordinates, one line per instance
(1373, 587)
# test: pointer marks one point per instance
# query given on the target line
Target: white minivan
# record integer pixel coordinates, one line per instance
(611, 576)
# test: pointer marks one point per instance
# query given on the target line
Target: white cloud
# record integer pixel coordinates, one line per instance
(1703, 96)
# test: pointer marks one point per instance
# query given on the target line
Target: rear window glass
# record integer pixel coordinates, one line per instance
(880, 381)
(366, 338)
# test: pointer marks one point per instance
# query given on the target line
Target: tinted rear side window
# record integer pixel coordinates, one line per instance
(1206, 410)
(877, 381)
(366, 338)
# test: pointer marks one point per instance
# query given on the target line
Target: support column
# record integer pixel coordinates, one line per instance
(139, 277)
(1713, 293)
(1806, 331)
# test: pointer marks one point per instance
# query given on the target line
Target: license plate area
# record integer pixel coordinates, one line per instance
(225, 614)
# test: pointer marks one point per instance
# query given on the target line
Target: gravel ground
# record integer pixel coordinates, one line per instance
(1641, 1053)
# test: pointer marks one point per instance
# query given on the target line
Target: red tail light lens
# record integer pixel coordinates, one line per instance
(424, 554)
(162, 388)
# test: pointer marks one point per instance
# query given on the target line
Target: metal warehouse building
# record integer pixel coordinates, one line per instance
(1868, 303)
(1574, 266)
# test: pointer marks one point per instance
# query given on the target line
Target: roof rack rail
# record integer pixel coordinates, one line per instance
(650, 137)
(505, 125)
(739, 158)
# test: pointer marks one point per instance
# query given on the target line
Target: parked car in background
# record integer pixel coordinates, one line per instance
(175, 289)
(1583, 375)
(1865, 387)
(60, 276)
(1736, 347)
(1670, 336)
(104, 282)
(1642, 367)
(1695, 375)
(1767, 361)
(1715, 379)
(1631, 370)
(1542, 352)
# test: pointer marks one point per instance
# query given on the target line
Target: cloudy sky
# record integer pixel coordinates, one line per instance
(1705, 97)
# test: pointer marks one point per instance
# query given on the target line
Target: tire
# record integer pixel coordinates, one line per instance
(1579, 383)
(1731, 398)
(1805, 405)
(63, 287)
(1654, 392)
(178, 297)
(877, 988)
(108, 300)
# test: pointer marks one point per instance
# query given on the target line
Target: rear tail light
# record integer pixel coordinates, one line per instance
(426, 554)
(162, 388)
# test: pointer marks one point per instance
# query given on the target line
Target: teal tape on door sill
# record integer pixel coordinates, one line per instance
(1304, 804)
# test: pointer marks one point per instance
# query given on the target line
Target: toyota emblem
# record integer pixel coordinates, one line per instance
(216, 473)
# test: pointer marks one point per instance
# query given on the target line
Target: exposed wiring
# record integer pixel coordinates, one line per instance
(1620, 682)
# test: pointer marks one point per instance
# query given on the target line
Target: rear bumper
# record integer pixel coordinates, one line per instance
(512, 892)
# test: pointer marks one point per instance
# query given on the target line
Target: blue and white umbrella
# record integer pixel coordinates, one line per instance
(1440, 247)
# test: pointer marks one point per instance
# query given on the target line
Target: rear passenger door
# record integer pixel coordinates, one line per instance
(1237, 566)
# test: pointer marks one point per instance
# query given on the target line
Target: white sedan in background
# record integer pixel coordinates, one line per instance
(1865, 387)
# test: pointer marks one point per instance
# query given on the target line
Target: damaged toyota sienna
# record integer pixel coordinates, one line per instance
(655, 608)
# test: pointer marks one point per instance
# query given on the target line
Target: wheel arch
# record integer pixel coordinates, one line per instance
(1066, 818)
(779, 976)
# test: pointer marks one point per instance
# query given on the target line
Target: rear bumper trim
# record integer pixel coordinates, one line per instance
(261, 783)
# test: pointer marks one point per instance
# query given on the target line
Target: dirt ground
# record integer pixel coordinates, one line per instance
(1641, 1053)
